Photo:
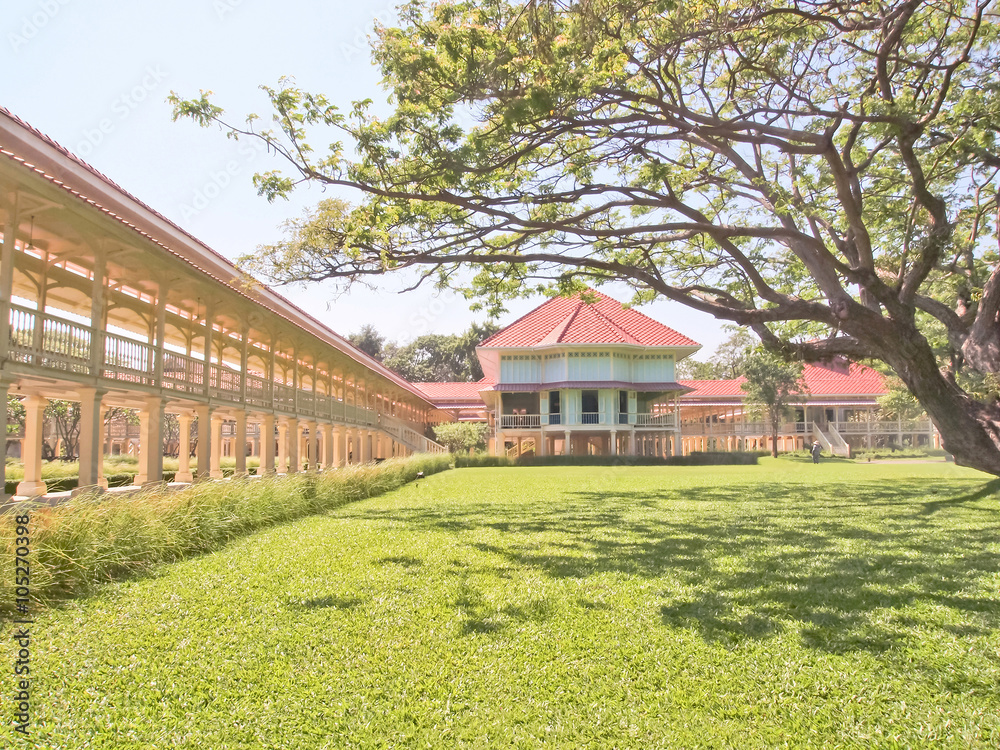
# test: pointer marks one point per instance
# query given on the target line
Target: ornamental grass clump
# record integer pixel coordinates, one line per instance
(92, 539)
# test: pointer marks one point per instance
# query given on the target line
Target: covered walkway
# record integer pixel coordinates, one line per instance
(109, 304)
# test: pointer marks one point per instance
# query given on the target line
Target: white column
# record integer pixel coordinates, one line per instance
(215, 471)
(313, 447)
(150, 442)
(366, 446)
(329, 460)
(613, 448)
(266, 445)
(98, 289)
(240, 444)
(184, 449)
(205, 419)
(339, 445)
(91, 439)
(7, 255)
(282, 467)
(350, 446)
(294, 465)
(31, 456)
(156, 349)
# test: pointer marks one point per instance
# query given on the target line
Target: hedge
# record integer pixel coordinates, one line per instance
(693, 459)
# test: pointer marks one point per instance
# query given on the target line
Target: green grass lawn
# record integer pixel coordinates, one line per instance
(780, 605)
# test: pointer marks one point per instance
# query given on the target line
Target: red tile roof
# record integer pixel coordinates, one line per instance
(820, 379)
(453, 391)
(843, 380)
(570, 320)
(714, 388)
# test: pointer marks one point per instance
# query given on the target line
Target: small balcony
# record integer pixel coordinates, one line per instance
(520, 421)
(586, 419)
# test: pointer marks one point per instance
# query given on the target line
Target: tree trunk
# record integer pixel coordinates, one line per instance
(774, 437)
(970, 430)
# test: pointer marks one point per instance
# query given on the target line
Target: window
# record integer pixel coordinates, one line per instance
(554, 417)
(590, 408)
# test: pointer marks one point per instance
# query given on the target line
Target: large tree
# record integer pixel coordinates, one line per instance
(820, 171)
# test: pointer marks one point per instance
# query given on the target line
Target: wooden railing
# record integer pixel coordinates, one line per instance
(49, 342)
(653, 420)
(404, 433)
(520, 421)
(530, 421)
(884, 426)
(740, 429)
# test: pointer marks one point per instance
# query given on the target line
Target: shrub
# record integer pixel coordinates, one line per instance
(481, 459)
(694, 459)
(462, 437)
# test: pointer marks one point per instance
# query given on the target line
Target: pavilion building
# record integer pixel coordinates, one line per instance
(578, 375)
(585, 375)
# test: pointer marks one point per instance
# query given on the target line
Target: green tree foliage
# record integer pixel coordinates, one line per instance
(824, 173)
(15, 415)
(461, 437)
(64, 416)
(368, 340)
(770, 381)
(727, 361)
(429, 358)
(898, 403)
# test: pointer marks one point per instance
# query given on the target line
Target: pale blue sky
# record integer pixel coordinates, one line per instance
(94, 75)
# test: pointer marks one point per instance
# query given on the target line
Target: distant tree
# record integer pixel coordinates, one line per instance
(770, 380)
(468, 342)
(171, 433)
(727, 361)
(461, 437)
(64, 416)
(15, 415)
(898, 403)
(429, 358)
(368, 340)
(433, 357)
(693, 369)
(441, 358)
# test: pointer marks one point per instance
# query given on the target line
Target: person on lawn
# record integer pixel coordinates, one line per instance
(815, 451)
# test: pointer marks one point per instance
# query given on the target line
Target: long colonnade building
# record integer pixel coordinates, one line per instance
(109, 304)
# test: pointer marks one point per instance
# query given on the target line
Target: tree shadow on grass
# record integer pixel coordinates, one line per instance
(328, 602)
(846, 566)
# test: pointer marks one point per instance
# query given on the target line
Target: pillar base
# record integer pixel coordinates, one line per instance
(184, 476)
(31, 489)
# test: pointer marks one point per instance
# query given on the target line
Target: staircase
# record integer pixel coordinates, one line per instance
(832, 442)
(527, 446)
(405, 435)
